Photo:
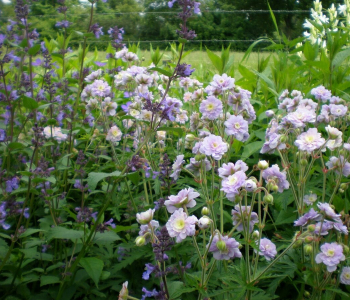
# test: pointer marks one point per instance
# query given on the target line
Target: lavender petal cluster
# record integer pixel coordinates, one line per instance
(275, 176)
(224, 248)
(241, 215)
(331, 255)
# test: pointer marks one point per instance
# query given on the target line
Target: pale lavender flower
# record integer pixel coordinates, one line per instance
(309, 216)
(100, 88)
(267, 248)
(323, 227)
(321, 93)
(114, 134)
(331, 256)
(238, 127)
(148, 228)
(224, 248)
(310, 140)
(339, 164)
(298, 118)
(310, 199)
(275, 176)
(109, 107)
(195, 166)
(177, 167)
(272, 143)
(250, 185)
(223, 82)
(184, 198)
(214, 145)
(211, 108)
(180, 225)
(269, 113)
(339, 226)
(232, 184)
(241, 215)
(231, 168)
(345, 276)
(329, 211)
(338, 110)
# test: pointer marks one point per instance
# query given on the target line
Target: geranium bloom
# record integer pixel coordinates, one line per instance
(238, 127)
(321, 93)
(339, 164)
(224, 248)
(195, 166)
(177, 166)
(55, 132)
(109, 107)
(241, 215)
(211, 108)
(267, 248)
(223, 82)
(345, 276)
(274, 175)
(214, 145)
(303, 220)
(180, 225)
(100, 88)
(184, 198)
(233, 183)
(331, 256)
(329, 211)
(310, 140)
(114, 134)
(310, 199)
(145, 217)
(230, 168)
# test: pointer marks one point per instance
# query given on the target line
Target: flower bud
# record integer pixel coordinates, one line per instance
(308, 249)
(124, 293)
(274, 188)
(309, 239)
(268, 199)
(145, 217)
(190, 137)
(140, 241)
(255, 235)
(269, 113)
(345, 249)
(204, 222)
(341, 191)
(311, 227)
(304, 162)
(297, 244)
(205, 211)
(221, 245)
(342, 152)
(250, 185)
(283, 138)
(343, 186)
(199, 157)
(263, 164)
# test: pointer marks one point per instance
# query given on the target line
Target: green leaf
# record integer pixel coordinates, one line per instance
(162, 71)
(176, 289)
(64, 233)
(274, 20)
(29, 103)
(340, 57)
(93, 266)
(310, 51)
(45, 280)
(29, 232)
(251, 148)
(94, 178)
(15, 145)
(286, 216)
(216, 61)
(34, 50)
(182, 41)
(106, 237)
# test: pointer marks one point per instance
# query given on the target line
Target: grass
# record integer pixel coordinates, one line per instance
(201, 62)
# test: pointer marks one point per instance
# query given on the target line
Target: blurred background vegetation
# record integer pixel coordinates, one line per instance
(152, 20)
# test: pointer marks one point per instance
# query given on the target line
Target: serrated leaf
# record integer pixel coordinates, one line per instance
(161, 71)
(29, 232)
(216, 61)
(15, 145)
(107, 237)
(94, 178)
(34, 50)
(251, 148)
(64, 233)
(93, 266)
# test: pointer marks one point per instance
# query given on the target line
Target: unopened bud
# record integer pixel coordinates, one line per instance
(344, 186)
(311, 227)
(250, 185)
(308, 249)
(263, 164)
(237, 199)
(304, 162)
(283, 138)
(297, 244)
(124, 293)
(190, 137)
(205, 211)
(307, 294)
(140, 241)
(346, 249)
(309, 239)
(221, 245)
(255, 235)
(269, 113)
(268, 199)
(199, 157)
(274, 188)
(204, 222)
(341, 191)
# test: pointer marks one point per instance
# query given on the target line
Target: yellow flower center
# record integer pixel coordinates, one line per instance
(210, 106)
(179, 224)
(115, 132)
(330, 252)
(309, 139)
(215, 144)
(232, 180)
(347, 275)
(237, 125)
